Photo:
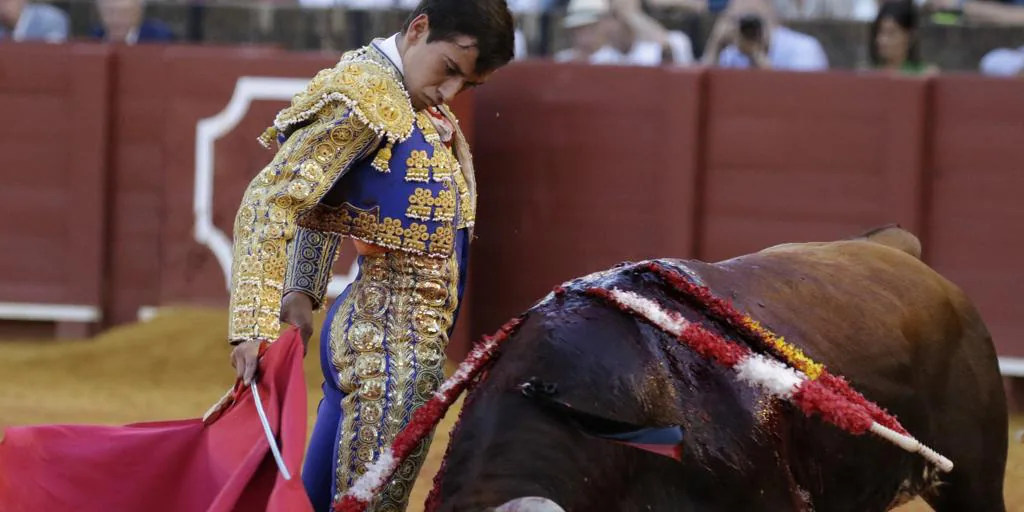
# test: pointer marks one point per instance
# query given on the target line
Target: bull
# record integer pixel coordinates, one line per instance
(867, 307)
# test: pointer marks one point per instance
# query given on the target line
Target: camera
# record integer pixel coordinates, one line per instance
(751, 27)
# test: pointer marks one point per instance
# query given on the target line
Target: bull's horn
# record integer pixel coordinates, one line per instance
(531, 504)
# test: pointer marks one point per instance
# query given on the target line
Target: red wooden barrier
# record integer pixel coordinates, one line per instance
(586, 166)
(55, 101)
(976, 211)
(579, 168)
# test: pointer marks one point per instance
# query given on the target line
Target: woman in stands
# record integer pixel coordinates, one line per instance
(894, 44)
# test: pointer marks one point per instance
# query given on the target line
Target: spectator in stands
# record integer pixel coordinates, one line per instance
(589, 24)
(24, 21)
(1003, 62)
(124, 21)
(642, 41)
(893, 44)
(748, 35)
(620, 32)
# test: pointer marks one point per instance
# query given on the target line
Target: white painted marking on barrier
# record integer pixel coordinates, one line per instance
(147, 313)
(49, 312)
(208, 130)
(1011, 366)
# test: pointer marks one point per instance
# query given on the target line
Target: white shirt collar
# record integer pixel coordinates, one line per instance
(389, 47)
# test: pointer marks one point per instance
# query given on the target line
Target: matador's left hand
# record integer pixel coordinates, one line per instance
(245, 359)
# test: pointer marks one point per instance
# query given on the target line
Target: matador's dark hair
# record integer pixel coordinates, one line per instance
(488, 21)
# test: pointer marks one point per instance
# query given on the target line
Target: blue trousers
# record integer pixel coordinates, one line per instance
(396, 329)
(318, 470)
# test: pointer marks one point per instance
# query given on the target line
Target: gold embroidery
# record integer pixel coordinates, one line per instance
(442, 241)
(465, 207)
(302, 171)
(327, 219)
(417, 166)
(421, 203)
(342, 135)
(299, 189)
(388, 340)
(418, 158)
(445, 202)
(442, 162)
(415, 238)
(311, 171)
(392, 233)
(357, 340)
(324, 153)
(464, 163)
(426, 126)
(364, 226)
(366, 84)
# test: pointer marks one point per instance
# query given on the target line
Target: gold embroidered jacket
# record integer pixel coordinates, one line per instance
(349, 113)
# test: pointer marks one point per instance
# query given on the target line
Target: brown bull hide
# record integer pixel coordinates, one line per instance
(867, 307)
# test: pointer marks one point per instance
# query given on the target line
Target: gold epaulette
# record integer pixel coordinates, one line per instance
(374, 93)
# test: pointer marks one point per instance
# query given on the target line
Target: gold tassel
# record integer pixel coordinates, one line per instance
(268, 138)
(380, 162)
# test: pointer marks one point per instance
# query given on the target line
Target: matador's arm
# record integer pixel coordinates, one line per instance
(273, 255)
(343, 116)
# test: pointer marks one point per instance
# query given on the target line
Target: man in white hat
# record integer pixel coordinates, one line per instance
(590, 25)
(620, 32)
(643, 41)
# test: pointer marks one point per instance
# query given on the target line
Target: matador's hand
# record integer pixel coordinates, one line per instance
(297, 310)
(245, 358)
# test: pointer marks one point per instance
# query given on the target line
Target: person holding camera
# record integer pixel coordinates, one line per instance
(748, 35)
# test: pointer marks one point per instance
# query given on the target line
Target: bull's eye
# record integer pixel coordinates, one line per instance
(534, 388)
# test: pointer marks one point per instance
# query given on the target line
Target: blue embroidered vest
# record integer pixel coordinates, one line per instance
(409, 196)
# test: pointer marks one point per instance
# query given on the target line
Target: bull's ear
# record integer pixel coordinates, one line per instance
(894, 236)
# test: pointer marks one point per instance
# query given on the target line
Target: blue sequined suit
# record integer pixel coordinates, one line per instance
(355, 160)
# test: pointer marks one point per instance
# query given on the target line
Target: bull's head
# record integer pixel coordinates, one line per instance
(526, 444)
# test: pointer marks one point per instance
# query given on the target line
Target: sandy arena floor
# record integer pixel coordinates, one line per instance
(176, 366)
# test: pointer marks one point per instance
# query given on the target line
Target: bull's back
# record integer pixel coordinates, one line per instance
(856, 304)
(903, 335)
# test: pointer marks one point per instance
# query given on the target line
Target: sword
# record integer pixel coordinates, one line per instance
(269, 433)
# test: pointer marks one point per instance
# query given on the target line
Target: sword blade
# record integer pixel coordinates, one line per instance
(269, 433)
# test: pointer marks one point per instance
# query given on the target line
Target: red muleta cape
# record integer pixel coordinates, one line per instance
(221, 465)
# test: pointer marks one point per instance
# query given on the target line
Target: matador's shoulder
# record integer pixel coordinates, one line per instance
(367, 84)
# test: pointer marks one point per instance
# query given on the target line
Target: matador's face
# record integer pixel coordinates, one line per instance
(437, 71)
